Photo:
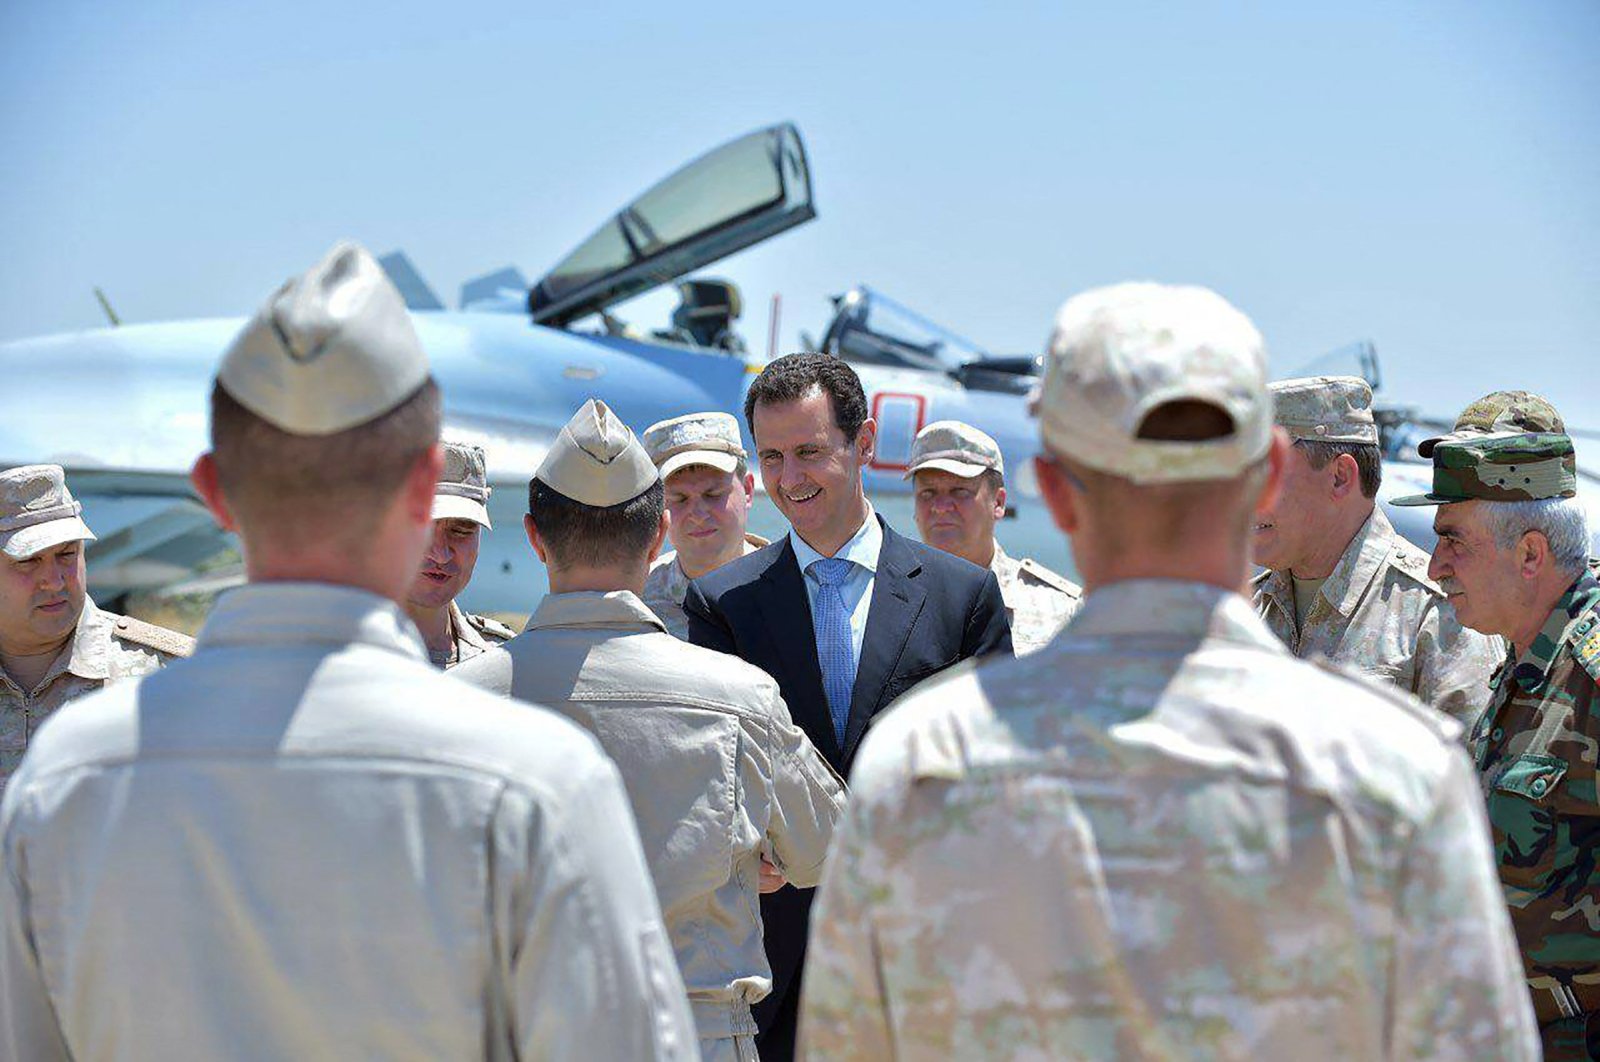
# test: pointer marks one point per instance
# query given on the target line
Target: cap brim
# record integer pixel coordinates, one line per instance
(720, 460)
(26, 541)
(964, 469)
(1423, 499)
(455, 507)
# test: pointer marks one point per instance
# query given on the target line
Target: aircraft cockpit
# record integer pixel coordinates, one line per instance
(870, 328)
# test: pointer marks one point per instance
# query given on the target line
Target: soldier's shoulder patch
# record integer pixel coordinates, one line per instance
(1446, 728)
(1586, 645)
(490, 628)
(162, 640)
(1052, 579)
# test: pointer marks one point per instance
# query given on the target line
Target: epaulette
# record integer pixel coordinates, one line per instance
(489, 627)
(1446, 728)
(1413, 563)
(150, 636)
(1585, 638)
(1050, 578)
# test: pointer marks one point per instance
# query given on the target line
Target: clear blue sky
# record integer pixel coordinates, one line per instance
(1426, 175)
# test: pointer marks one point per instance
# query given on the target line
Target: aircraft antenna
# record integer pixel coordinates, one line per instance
(772, 325)
(105, 304)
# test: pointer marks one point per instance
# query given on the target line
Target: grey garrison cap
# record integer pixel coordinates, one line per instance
(332, 349)
(1325, 409)
(463, 489)
(955, 447)
(596, 460)
(697, 439)
(37, 511)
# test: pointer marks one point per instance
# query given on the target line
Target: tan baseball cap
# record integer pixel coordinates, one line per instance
(697, 439)
(1325, 409)
(1499, 412)
(37, 511)
(596, 460)
(1119, 352)
(463, 489)
(954, 447)
(333, 348)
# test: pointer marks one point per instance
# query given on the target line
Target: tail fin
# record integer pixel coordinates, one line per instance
(412, 287)
(503, 291)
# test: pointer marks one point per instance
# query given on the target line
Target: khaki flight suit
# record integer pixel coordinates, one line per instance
(305, 842)
(717, 773)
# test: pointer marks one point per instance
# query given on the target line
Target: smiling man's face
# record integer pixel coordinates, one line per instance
(811, 470)
(447, 566)
(41, 598)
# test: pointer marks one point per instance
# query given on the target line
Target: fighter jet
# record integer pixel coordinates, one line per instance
(514, 361)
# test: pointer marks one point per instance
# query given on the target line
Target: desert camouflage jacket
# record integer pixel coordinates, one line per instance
(1038, 601)
(666, 584)
(1536, 748)
(1162, 837)
(1379, 613)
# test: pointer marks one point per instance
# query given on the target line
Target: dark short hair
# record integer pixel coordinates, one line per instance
(341, 480)
(595, 535)
(791, 378)
(1369, 460)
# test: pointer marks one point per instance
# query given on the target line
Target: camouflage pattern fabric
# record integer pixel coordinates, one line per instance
(1506, 468)
(105, 648)
(1378, 613)
(1535, 749)
(1038, 601)
(666, 584)
(1162, 837)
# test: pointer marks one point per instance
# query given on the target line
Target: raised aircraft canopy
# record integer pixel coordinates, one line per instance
(735, 196)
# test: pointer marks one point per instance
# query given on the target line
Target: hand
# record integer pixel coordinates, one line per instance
(771, 880)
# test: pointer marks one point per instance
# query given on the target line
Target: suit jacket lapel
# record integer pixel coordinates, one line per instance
(896, 600)
(787, 612)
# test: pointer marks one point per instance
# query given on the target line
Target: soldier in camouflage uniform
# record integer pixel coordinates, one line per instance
(960, 495)
(1162, 836)
(1512, 551)
(709, 490)
(55, 645)
(460, 516)
(1340, 582)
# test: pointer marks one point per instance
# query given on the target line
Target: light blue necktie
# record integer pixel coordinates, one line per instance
(832, 626)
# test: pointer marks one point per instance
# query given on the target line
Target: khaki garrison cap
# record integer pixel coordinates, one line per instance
(37, 511)
(463, 489)
(1325, 409)
(1119, 352)
(332, 349)
(596, 460)
(951, 446)
(1498, 412)
(697, 439)
(1506, 467)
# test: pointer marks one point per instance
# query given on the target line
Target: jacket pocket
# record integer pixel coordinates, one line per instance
(1523, 814)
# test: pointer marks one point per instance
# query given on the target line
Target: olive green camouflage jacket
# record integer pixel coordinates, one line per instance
(1536, 748)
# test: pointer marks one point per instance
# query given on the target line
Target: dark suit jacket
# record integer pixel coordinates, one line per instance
(929, 610)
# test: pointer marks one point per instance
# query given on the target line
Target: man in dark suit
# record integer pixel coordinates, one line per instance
(843, 612)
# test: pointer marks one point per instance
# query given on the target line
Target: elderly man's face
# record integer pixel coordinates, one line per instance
(1283, 534)
(1482, 580)
(709, 509)
(957, 514)
(41, 598)
(448, 563)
